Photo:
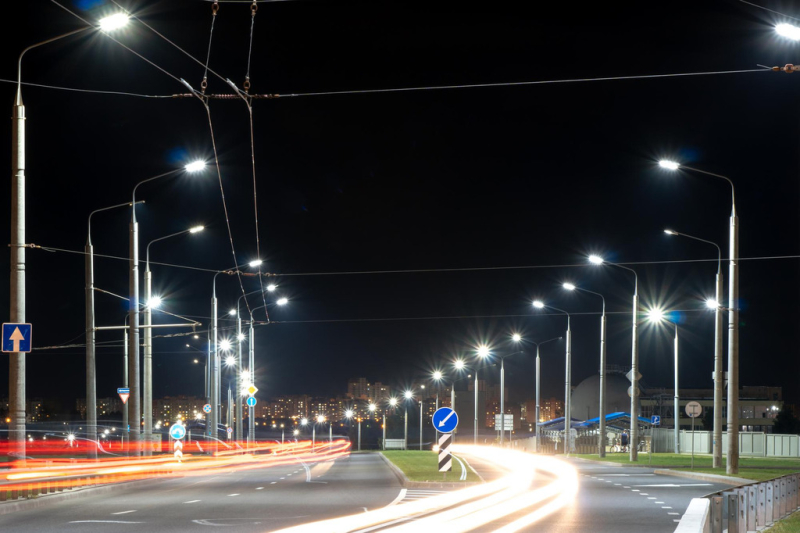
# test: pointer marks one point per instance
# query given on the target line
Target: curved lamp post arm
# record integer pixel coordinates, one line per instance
(733, 190)
(719, 250)
(37, 45)
(89, 230)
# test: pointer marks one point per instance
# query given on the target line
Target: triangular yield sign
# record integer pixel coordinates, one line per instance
(124, 397)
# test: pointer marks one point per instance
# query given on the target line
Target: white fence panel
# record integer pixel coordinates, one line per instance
(702, 442)
(783, 446)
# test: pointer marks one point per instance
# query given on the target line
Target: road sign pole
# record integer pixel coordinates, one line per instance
(677, 399)
(692, 443)
(251, 365)
(125, 426)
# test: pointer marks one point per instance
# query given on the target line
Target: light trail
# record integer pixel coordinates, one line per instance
(476, 506)
(73, 473)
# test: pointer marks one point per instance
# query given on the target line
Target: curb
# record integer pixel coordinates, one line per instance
(46, 499)
(607, 463)
(735, 481)
(408, 484)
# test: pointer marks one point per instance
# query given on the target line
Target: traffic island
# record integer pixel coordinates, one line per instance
(420, 470)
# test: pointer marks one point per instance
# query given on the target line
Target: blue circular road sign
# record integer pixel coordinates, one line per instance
(207, 408)
(177, 431)
(445, 420)
(251, 401)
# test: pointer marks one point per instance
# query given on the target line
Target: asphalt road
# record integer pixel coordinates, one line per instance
(256, 500)
(618, 500)
(609, 499)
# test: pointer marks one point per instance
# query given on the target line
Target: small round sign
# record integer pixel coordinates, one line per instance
(251, 401)
(177, 431)
(445, 420)
(207, 408)
(230, 430)
(694, 409)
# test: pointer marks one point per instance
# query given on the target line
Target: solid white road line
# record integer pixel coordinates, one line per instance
(234, 494)
(102, 522)
(192, 501)
(125, 512)
(259, 488)
(399, 497)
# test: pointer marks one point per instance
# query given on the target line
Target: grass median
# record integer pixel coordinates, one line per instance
(755, 468)
(424, 466)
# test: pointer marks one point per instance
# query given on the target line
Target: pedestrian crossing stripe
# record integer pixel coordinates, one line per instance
(445, 459)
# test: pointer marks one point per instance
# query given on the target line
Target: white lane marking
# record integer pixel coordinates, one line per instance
(399, 497)
(674, 513)
(665, 507)
(234, 494)
(272, 482)
(625, 487)
(125, 512)
(617, 484)
(283, 478)
(675, 520)
(676, 485)
(627, 475)
(634, 490)
(651, 498)
(287, 475)
(102, 522)
(259, 488)
(192, 501)
(643, 494)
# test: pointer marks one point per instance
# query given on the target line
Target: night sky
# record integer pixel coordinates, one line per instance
(532, 176)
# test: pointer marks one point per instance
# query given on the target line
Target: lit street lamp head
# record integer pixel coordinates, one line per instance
(114, 22)
(596, 260)
(195, 166)
(392, 401)
(282, 301)
(669, 165)
(459, 364)
(271, 287)
(372, 408)
(670, 232)
(232, 312)
(711, 303)
(516, 337)
(655, 315)
(538, 304)
(154, 303)
(304, 421)
(408, 394)
(254, 263)
(789, 31)
(225, 345)
(569, 286)
(348, 413)
(230, 361)
(196, 229)
(483, 351)
(320, 419)
(240, 336)
(437, 375)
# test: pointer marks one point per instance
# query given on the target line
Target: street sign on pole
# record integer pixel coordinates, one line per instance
(655, 420)
(177, 449)
(207, 408)
(504, 424)
(124, 394)
(694, 409)
(230, 432)
(251, 401)
(177, 431)
(445, 459)
(17, 337)
(629, 375)
(252, 389)
(445, 420)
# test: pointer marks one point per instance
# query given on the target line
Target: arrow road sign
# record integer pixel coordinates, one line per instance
(207, 408)
(17, 337)
(124, 394)
(177, 447)
(177, 431)
(251, 401)
(445, 420)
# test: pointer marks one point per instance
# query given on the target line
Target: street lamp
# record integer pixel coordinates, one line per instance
(134, 406)
(16, 363)
(634, 376)
(657, 316)
(732, 463)
(152, 302)
(91, 366)
(601, 438)
(538, 304)
(483, 353)
(538, 383)
(789, 31)
(392, 404)
(719, 382)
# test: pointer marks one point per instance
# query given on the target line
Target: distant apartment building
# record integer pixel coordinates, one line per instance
(105, 406)
(359, 389)
(169, 409)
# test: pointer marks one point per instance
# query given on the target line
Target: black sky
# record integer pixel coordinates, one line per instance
(511, 176)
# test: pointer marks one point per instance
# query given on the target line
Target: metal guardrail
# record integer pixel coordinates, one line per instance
(742, 509)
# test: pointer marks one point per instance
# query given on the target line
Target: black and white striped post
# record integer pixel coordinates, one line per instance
(445, 458)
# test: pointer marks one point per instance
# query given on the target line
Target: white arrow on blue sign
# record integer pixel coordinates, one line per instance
(445, 420)
(177, 431)
(251, 401)
(17, 337)
(655, 420)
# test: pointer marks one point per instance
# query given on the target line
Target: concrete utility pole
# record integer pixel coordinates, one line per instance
(251, 428)
(732, 466)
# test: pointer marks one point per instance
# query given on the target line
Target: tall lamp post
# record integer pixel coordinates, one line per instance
(408, 395)
(151, 303)
(392, 404)
(732, 463)
(719, 380)
(634, 452)
(538, 383)
(601, 438)
(483, 352)
(16, 363)
(658, 316)
(538, 304)
(91, 366)
(134, 405)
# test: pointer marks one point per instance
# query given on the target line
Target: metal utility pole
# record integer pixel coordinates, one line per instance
(134, 407)
(502, 400)
(732, 466)
(421, 402)
(476, 406)
(91, 367)
(676, 431)
(238, 380)
(125, 425)
(251, 436)
(213, 366)
(634, 452)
